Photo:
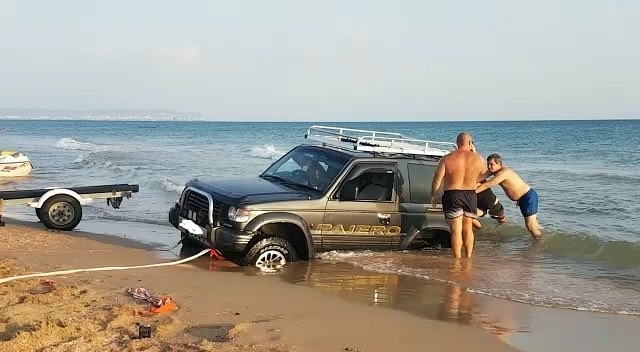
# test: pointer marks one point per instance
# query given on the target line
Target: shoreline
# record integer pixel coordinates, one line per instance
(217, 310)
(411, 303)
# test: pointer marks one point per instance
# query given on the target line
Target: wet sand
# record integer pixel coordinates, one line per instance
(319, 305)
(223, 308)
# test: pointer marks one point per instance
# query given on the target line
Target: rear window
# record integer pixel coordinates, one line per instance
(420, 178)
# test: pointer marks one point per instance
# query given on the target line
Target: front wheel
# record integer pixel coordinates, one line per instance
(61, 212)
(270, 254)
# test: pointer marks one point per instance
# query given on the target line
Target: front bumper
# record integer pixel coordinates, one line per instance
(220, 237)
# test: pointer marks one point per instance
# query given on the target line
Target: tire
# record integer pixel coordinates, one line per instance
(61, 212)
(271, 254)
(39, 214)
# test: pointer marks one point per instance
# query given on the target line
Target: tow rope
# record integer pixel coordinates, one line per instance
(108, 268)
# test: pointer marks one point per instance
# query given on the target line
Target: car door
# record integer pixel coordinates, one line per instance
(417, 214)
(362, 213)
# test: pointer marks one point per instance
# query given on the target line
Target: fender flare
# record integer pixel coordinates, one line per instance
(57, 191)
(436, 228)
(281, 217)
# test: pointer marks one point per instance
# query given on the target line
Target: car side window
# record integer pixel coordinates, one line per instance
(368, 184)
(420, 178)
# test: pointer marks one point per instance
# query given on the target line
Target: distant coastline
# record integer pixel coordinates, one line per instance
(100, 114)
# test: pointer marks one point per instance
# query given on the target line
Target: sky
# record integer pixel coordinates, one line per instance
(326, 60)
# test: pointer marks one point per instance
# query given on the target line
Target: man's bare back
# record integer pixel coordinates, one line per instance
(461, 170)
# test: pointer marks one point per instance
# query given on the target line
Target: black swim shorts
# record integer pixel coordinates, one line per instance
(457, 203)
(486, 200)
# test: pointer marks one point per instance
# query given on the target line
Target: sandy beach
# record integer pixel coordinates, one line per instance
(216, 310)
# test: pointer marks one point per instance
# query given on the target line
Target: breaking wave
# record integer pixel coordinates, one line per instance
(72, 144)
(266, 152)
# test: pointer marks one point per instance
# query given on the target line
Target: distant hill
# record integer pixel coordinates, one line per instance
(99, 114)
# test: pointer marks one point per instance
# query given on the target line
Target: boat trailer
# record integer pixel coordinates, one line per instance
(61, 208)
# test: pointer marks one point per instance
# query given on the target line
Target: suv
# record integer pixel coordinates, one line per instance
(356, 190)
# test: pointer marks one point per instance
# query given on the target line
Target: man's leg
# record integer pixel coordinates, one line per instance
(467, 235)
(532, 225)
(455, 226)
(476, 222)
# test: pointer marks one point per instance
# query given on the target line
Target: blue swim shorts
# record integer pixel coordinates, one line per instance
(529, 203)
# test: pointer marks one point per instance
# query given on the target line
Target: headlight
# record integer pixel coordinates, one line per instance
(238, 215)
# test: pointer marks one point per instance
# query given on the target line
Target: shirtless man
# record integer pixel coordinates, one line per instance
(460, 170)
(516, 189)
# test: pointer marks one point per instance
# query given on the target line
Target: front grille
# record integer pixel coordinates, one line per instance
(196, 201)
(216, 211)
(196, 208)
(198, 204)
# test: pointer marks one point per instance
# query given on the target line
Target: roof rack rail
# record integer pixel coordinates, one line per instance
(377, 141)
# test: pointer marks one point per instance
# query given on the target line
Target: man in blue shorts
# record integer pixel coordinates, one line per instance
(516, 189)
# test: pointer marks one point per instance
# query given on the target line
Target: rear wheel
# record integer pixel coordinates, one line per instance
(61, 212)
(270, 254)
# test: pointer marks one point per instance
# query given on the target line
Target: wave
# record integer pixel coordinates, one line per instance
(164, 185)
(582, 305)
(88, 161)
(267, 151)
(72, 144)
(584, 246)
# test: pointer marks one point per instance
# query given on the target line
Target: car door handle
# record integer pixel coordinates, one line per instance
(384, 219)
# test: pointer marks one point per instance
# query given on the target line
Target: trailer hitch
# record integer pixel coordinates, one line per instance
(114, 202)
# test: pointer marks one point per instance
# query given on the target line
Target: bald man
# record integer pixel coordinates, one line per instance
(459, 171)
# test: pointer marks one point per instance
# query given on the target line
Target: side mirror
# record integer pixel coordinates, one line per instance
(349, 191)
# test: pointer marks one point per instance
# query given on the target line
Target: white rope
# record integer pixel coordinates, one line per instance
(106, 268)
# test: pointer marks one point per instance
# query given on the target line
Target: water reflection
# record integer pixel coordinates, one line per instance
(419, 296)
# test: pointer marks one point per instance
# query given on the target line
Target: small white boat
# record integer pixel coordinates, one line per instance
(14, 164)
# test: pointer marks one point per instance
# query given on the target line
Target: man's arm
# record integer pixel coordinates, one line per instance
(483, 176)
(437, 180)
(484, 172)
(494, 181)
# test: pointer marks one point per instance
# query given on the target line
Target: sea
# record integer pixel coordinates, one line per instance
(587, 175)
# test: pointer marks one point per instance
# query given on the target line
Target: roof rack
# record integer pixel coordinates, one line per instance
(377, 141)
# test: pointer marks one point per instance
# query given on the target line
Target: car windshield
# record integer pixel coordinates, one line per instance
(309, 166)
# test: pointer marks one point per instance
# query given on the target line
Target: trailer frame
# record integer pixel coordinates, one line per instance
(60, 208)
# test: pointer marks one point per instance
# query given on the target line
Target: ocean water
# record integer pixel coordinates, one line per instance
(586, 173)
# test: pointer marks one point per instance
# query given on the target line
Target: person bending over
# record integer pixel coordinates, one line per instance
(488, 203)
(516, 189)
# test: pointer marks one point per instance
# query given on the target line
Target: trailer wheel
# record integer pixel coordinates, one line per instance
(61, 212)
(39, 213)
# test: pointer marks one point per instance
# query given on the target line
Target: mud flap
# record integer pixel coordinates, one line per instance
(411, 234)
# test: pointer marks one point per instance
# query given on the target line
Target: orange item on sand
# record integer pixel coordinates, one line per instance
(168, 304)
(214, 253)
